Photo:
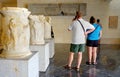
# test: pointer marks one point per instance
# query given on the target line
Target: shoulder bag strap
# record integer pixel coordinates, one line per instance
(95, 28)
(82, 25)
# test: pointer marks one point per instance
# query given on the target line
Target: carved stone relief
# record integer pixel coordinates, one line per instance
(15, 32)
(57, 9)
(36, 29)
(48, 28)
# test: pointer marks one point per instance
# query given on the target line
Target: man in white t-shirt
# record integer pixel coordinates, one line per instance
(79, 28)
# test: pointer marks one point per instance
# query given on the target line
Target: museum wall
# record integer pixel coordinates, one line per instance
(9, 5)
(101, 9)
(0, 20)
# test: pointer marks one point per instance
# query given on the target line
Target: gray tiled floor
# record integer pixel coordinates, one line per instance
(108, 63)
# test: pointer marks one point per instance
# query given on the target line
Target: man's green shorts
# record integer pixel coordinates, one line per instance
(77, 48)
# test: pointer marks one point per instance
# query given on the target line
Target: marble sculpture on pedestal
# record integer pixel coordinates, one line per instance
(15, 34)
(36, 29)
(47, 27)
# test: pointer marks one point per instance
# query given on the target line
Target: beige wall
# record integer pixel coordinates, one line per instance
(0, 15)
(9, 5)
(103, 10)
(0, 21)
(98, 8)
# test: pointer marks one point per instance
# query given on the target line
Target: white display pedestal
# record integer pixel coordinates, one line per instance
(25, 67)
(43, 50)
(51, 47)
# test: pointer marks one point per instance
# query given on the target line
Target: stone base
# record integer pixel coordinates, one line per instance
(43, 50)
(51, 47)
(25, 67)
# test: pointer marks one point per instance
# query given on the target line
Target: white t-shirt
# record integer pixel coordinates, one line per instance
(78, 36)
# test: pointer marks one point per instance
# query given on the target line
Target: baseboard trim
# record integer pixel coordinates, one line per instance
(110, 41)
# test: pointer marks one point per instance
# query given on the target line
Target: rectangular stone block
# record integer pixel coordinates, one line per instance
(24, 67)
(51, 47)
(43, 50)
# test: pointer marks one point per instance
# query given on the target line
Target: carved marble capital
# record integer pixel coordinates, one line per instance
(15, 32)
(47, 27)
(36, 29)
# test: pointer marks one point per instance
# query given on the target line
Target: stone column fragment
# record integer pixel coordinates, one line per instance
(36, 29)
(15, 32)
(47, 27)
